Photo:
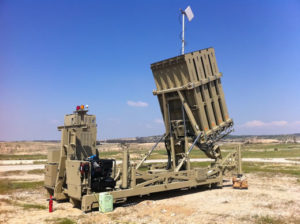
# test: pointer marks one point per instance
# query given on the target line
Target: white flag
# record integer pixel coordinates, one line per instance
(189, 13)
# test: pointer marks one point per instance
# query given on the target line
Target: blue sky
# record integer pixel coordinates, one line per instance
(55, 55)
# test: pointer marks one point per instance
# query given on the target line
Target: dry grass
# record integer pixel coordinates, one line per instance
(268, 220)
(25, 206)
(12, 172)
(61, 221)
(27, 148)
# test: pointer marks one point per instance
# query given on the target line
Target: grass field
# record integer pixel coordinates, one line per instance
(7, 185)
(22, 157)
(248, 151)
(162, 154)
(254, 167)
(271, 168)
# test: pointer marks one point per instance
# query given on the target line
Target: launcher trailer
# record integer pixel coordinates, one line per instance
(195, 115)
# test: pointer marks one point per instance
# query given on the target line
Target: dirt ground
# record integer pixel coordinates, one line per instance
(27, 148)
(269, 199)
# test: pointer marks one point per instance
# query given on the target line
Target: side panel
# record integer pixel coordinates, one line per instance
(172, 73)
(50, 175)
(74, 179)
(53, 156)
(60, 179)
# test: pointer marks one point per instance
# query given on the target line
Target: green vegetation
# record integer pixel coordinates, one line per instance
(268, 220)
(200, 164)
(24, 205)
(265, 146)
(108, 154)
(22, 157)
(39, 162)
(32, 206)
(63, 221)
(271, 154)
(248, 151)
(146, 167)
(275, 220)
(250, 167)
(267, 150)
(36, 171)
(7, 185)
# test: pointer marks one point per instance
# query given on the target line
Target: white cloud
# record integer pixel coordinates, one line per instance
(257, 127)
(256, 123)
(158, 121)
(137, 103)
(278, 123)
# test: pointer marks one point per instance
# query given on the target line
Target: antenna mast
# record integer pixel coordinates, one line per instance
(189, 14)
(182, 37)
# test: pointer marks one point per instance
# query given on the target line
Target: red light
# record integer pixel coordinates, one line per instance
(78, 108)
